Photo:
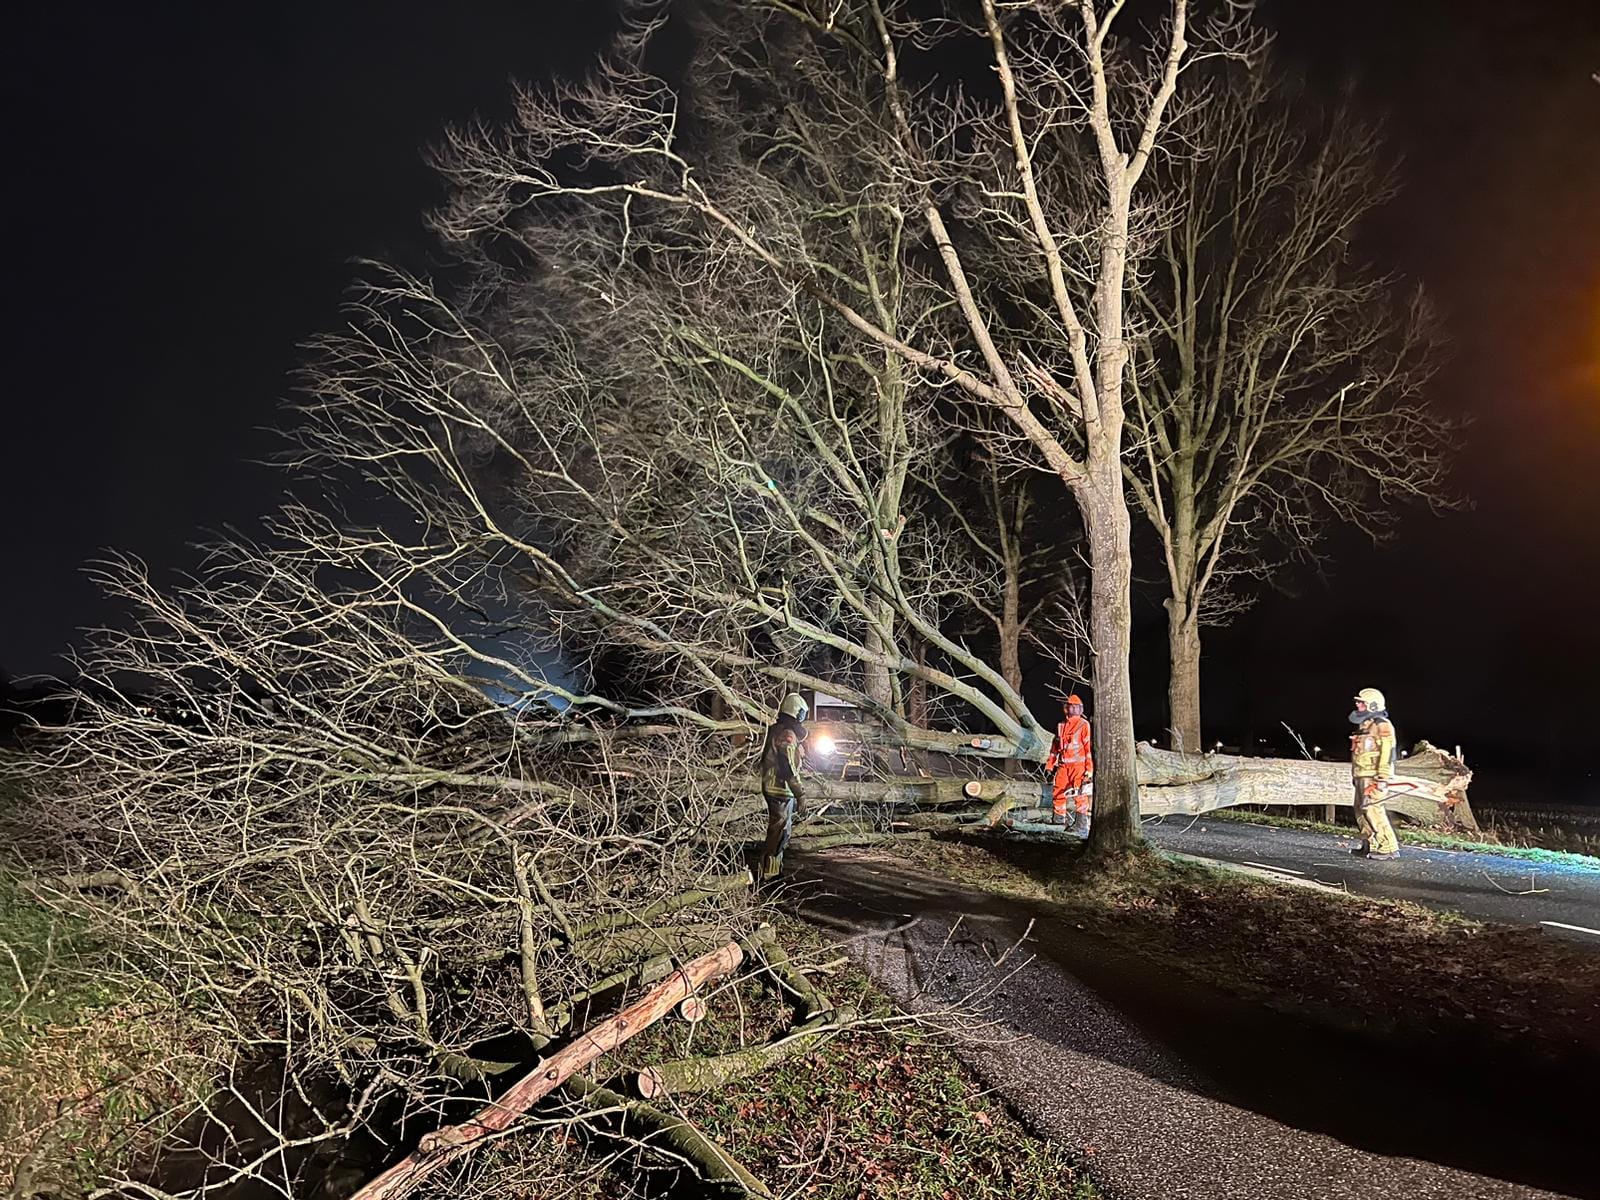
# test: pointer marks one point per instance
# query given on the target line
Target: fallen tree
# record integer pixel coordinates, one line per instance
(1430, 790)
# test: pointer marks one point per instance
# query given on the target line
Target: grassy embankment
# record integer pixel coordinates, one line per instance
(883, 1110)
(1380, 966)
(91, 1069)
(1540, 842)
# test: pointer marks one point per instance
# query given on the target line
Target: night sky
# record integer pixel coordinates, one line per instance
(187, 191)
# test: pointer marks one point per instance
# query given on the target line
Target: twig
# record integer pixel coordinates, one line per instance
(1531, 890)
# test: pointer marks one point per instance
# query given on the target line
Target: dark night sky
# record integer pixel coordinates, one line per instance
(187, 189)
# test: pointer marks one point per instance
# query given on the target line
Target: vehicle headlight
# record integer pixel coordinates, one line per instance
(823, 745)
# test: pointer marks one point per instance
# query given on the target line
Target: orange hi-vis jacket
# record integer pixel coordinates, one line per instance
(1072, 745)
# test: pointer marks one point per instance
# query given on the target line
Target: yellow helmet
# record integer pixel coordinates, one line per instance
(1371, 699)
(794, 705)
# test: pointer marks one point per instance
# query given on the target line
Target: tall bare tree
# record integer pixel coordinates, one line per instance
(1279, 380)
(1024, 580)
(1039, 284)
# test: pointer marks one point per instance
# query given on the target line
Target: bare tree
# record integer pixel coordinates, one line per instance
(1039, 284)
(1023, 582)
(1279, 381)
(312, 823)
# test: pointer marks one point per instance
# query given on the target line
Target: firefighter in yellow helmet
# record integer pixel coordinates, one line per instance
(780, 780)
(1372, 755)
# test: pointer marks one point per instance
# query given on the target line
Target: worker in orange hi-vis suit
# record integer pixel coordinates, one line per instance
(1072, 759)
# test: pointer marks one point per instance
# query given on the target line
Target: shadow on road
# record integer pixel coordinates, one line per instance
(1475, 1108)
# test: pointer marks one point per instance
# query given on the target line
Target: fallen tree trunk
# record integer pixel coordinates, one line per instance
(924, 791)
(440, 1148)
(1430, 788)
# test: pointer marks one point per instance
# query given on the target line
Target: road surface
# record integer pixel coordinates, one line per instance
(1175, 1091)
(1486, 886)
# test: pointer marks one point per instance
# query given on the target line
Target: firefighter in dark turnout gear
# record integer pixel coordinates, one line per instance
(780, 781)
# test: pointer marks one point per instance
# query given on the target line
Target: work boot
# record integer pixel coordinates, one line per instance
(771, 867)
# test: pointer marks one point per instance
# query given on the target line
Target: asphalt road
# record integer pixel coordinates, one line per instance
(1176, 1091)
(1486, 886)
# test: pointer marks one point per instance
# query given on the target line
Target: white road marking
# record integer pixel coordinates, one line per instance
(1574, 928)
(1270, 867)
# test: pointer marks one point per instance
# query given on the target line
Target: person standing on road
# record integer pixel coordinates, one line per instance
(1372, 757)
(1072, 760)
(780, 781)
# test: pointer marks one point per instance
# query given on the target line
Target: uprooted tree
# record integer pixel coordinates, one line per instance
(1278, 380)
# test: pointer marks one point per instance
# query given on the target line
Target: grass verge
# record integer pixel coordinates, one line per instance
(91, 1072)
(886, 1110)
(1421, 837)
(1385, 967)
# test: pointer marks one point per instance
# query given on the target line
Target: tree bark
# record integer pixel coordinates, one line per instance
(1115, 828)
(875, 680)
(1010, 631)
(1183, 682)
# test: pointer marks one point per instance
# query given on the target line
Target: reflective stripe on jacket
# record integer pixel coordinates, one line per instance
(1072, 744)
(1372, 750)
(780, 760)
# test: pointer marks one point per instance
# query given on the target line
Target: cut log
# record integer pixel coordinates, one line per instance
(440, 1148)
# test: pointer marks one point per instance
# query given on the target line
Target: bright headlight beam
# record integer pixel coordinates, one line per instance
(823, 745)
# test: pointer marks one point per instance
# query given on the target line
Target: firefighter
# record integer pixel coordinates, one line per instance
(780, 781)
(1372, 756)
(1073, 763)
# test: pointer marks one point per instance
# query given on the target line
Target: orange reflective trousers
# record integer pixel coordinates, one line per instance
(1072, 758)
